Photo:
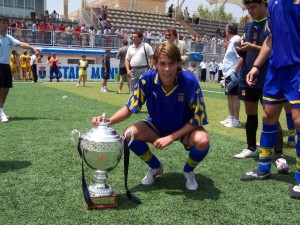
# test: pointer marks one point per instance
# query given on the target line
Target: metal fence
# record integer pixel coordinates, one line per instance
(87, 40)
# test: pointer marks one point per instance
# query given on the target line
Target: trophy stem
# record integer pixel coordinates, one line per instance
(100, 188)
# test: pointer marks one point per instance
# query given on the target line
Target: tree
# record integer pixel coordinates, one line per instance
(220, 13)
(204, 12)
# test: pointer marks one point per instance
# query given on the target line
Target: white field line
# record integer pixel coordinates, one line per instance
(217, 92)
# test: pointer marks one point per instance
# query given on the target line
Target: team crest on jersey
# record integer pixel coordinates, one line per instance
(180, 97)
(42, 72)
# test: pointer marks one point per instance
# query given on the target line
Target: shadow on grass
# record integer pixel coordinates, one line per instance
(6, 166)
(174, 184)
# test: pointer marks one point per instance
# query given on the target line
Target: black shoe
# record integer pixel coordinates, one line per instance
(256, 175)
(295, 191)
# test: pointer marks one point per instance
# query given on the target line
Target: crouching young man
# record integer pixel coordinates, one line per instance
(176, 112)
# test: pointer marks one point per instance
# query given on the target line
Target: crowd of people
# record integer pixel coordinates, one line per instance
(262, 65)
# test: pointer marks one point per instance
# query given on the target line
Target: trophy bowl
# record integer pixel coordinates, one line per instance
(101, 149)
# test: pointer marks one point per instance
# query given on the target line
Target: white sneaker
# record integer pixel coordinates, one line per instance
(226, 120)
(282, 165)
(151, 175)
(190, 183)
(3, 117)
(233, 123)
(103, 90)
(246, 153)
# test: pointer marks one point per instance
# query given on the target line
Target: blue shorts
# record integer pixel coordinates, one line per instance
(283, 85)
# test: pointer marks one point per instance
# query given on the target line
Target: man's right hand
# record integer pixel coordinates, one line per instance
(129, 73)
(252, 76)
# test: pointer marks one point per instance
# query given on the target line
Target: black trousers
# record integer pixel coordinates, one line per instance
(34, 72)
(203, 75)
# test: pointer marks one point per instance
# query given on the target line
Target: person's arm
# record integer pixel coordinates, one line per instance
(151, 62)
(118, 117)
(186, 54)
(238, 65)
(27, 46)
(127, 65)
(247, 46)
(261, 58)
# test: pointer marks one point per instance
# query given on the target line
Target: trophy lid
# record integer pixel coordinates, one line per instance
(102, 133)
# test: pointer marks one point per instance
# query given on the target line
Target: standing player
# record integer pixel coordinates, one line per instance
(7, 42)
(24, 61)
(253, 39)
(83, 65)
(105, 69)
(176, 112)
(282, 83)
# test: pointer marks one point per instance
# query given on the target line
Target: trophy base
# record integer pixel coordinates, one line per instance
(104, 202)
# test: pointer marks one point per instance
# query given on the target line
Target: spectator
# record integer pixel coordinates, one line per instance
(148, 36)
(46, 16)
(202, 78)
(32, 15)
(121, 55)
(69, 31)
(92, 34)
(170, 11)
(77, 35)
(54, 62)
(101, 13)
(186, 14)
(33, 61)
(172, 36)
(98, 35)
(105, 70)
(39, 58)
(83, 35)
(34, 31)
(220, 72)
(138, 58)
(105, 14)
(42, 32)
(213, 69)
(54, 16)
(193, 69)
(230, 69)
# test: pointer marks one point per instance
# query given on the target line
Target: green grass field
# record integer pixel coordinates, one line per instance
(40, 168)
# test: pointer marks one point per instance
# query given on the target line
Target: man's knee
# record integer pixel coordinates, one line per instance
(202, 141)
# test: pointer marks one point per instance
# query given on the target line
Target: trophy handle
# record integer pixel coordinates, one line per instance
(72, 136)
(132, 136)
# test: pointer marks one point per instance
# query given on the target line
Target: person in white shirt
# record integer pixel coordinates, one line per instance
(33, 65)
(231, 68)
(139, 58)
(203, 70)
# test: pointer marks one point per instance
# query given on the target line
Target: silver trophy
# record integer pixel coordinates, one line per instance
(101, 149)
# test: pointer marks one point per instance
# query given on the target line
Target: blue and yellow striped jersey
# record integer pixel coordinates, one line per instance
(169, 112)
(284, 25)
